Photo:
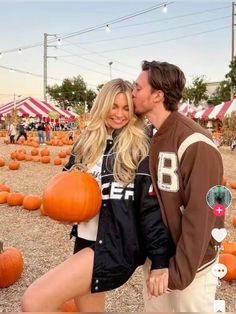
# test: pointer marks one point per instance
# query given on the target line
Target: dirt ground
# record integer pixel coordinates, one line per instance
(45, 243)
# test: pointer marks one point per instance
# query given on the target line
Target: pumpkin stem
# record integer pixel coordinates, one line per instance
(1, 247)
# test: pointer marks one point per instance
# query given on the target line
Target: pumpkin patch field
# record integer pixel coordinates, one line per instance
(44, 243)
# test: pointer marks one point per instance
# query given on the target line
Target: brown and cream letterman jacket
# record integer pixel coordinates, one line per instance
(184, 164)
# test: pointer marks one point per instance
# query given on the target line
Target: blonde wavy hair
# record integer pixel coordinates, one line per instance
(131, 145)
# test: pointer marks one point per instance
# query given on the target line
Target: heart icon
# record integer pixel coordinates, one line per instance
(219, 270)
(219, 234)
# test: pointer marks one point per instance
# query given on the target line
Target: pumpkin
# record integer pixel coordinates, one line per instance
(28, 157)
(2, 162)
(57, 162)
(34, 152)
(14, 165)
(229, 247)
(234, 220)
(72, 197)
(45, 159)
(44, 152)
(11, 265)
(3, 197)
(62, 154)
(4, 187)
(32, 202)
(20, 156)
(233, 185)
(68, 306)
(15, 199)
(13, 155)
(229, 260)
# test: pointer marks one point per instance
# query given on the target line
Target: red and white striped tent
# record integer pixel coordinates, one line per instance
(31, 107)
(188, 109)
(217, 112)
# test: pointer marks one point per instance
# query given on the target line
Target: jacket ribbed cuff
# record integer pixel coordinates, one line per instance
(159, 261)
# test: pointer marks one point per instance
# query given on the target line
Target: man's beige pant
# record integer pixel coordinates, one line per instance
(199, 296)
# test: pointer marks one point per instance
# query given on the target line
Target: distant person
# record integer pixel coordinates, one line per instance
(47, 129)
(40, 132)
(22, 131)
(71, 135)
(12, 133)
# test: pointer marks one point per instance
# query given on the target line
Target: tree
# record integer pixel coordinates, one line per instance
(197, 92)
(221, 94)
(232, 75)
(72, 93)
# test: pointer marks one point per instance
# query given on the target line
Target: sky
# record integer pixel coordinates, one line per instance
(195, 35)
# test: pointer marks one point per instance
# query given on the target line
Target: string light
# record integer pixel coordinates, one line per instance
(165, 9)
(59, 42)
(20, 51)
(1, 54)
(107, 28)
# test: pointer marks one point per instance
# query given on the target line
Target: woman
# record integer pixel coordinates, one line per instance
(109, 247)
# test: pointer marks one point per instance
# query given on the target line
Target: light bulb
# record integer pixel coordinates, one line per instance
(107, 28)
(20, 51)
(165, 9)
(59, 42)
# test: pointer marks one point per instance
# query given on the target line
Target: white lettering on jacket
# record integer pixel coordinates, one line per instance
(117, 191)
(168, 171)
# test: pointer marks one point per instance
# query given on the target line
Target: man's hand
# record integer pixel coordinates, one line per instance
(157, 283)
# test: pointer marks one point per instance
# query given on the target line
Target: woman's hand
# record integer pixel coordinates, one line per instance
(157, 283)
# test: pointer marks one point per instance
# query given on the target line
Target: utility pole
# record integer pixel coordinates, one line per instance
(110, 64)
(232, 49)
(45, 59)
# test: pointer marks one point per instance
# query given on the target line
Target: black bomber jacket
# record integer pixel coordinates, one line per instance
(130, 227)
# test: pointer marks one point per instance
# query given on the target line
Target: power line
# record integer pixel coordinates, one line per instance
(29, 73)
(161, 41)
(83, 31)
(153, 32)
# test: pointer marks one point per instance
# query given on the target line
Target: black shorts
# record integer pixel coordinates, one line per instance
(81, 244)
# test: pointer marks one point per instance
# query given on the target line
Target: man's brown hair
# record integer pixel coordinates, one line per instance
(167, 78)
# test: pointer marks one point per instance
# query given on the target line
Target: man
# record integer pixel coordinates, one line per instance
(184, 165)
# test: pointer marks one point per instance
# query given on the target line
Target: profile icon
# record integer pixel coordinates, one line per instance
(219, 195)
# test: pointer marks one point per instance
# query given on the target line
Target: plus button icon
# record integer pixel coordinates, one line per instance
(219, 210)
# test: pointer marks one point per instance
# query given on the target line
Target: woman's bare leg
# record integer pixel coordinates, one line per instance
(91, 303)
(70, 279)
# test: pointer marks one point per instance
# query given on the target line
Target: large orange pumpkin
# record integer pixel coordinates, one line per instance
(11, 265)
(72, 197)
(3, 197)
(15, 199)
(229, 260)
(32, 202)
(229, 247)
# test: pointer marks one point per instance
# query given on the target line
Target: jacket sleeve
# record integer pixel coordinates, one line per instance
(154, 234)
(70, 163)
(201, 168)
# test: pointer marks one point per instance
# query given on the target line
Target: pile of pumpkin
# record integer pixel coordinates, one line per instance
(35, 156)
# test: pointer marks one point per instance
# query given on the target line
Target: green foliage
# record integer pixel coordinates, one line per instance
(232, 74)
(221, 94)
(72, 93)
(196, 92)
